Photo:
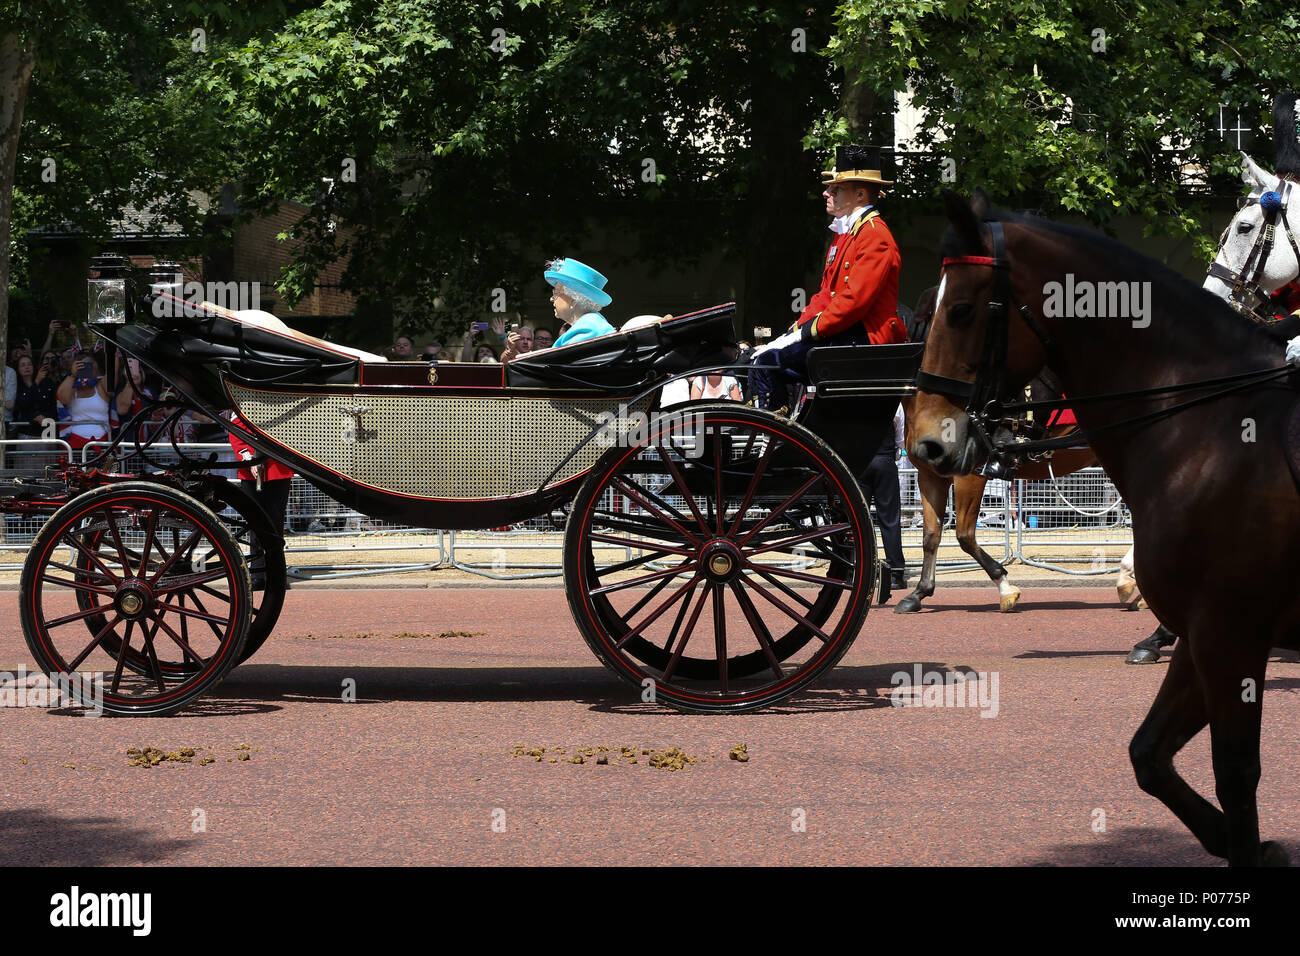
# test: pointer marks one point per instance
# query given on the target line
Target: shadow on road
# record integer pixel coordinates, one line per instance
(1100, 652)
(846, 688)
(36, 838)
(1027, 605)
(1134, 846)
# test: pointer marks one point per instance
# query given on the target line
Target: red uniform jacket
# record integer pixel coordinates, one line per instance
(860, 284)
(1286, 300)
(274, 470)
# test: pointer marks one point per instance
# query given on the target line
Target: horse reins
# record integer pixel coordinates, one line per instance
(983, 396)
(990, 377)
(1245, 293)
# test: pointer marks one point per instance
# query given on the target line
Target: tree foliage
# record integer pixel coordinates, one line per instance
(1085, 107)
(475, 132)
(113, 137)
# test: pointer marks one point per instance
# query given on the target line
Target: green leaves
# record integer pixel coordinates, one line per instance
(1073, 108)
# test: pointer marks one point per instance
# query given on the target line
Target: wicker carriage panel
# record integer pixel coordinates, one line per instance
(432, 446)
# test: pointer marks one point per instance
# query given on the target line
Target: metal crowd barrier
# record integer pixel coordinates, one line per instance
(1075, 525)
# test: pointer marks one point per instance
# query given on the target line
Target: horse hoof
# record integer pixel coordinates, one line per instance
(1142, 655)
(1130, 596)
(1007, 602)
(908, 605)
(1271, 854)
(1143, 605)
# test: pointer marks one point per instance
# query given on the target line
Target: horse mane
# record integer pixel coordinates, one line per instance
(1173, 294)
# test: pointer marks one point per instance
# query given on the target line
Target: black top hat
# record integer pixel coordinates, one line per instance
(856, 164)
(1286, 133)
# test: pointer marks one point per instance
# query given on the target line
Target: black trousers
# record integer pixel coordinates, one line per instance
(274, 498)
(880, 485)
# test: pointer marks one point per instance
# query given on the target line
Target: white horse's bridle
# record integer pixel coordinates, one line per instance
(1244, 290)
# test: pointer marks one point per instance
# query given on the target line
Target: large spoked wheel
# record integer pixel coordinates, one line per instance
(727, 561)
(163, 578)
(263, 551)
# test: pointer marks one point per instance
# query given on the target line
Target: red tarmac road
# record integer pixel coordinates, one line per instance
(415, 769)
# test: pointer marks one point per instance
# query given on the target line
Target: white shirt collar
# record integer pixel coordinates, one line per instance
(843, 224)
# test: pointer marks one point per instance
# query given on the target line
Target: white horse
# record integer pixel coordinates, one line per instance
(1254, 261)
(1251, 263)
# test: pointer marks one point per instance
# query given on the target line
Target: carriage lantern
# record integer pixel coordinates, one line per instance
(106, 298)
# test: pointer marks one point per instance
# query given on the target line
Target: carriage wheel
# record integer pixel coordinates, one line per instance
(163, 575)
(264, 551)
(751, 567)
(789, 643)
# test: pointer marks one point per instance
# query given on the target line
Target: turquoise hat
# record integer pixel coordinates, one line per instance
(582, 279)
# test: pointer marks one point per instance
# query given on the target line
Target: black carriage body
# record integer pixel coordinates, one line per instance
(463, 446)
(855, 392)
(439, 445)
(718, 511)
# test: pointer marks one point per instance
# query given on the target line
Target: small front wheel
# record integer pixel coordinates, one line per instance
(722, 564)
(160, 582)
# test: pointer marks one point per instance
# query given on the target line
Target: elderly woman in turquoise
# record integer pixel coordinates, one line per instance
(578, 298)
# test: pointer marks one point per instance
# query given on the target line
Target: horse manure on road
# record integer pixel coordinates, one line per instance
(672, 758)
(153, 756)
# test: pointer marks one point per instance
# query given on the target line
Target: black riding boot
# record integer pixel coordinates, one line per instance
(1148, 651)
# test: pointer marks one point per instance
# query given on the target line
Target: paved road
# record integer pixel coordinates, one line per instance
(419, 767)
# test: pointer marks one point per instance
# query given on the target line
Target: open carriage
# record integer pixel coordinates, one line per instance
(716, 556)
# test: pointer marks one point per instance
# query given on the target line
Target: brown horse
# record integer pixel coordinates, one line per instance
(968, 493)
(1189, 416)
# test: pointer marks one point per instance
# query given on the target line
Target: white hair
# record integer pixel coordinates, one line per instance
(581, 304)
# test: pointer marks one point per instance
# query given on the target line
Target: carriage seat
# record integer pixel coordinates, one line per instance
(646, 349)
(849, 370)
(267, 322)
(221, 327)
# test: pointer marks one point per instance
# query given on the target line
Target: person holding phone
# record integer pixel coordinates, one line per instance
(519, 342)
(482, 351)
(84, 393)
(62, 334)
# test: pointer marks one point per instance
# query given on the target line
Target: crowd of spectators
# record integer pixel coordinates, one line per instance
(61, 391)
(484, 342)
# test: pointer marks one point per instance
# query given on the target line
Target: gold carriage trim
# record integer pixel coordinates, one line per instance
(433, 446)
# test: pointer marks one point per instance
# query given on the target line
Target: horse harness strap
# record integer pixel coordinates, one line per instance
(982, 396)
(1245, 293)
(990, 376)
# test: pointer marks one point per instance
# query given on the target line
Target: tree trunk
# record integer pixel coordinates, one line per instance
(781, 241)
(16, 62)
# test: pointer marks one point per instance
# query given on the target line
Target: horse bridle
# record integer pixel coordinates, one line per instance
(986, 408)
(1245, 294)
(983, 397)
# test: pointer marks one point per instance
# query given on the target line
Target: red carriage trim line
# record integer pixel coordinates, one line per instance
(973, 261)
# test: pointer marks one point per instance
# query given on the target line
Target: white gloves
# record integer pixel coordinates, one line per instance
(1293, 351)
(790, 338)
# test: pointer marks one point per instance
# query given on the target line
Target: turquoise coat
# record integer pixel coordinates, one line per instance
(587, 327)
